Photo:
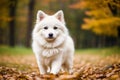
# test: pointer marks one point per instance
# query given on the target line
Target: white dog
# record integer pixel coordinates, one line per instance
(52, 45)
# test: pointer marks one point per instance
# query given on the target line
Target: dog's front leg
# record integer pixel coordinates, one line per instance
(42, 67)
(56, 65)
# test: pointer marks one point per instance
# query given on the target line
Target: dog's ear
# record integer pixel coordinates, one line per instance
(60, 16)
(40, 16)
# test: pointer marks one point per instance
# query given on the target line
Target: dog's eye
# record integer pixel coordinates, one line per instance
(45, 27)
(55, 27)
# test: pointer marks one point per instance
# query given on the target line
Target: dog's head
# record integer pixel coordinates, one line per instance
(50, 27)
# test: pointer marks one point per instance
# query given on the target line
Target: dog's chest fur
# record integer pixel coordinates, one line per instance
(49, 52)
(49, 55)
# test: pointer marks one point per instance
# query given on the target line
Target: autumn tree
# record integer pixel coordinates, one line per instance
(12, 12)
(104, 16)
(4, 19)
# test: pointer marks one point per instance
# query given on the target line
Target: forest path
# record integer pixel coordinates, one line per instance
(86, 67)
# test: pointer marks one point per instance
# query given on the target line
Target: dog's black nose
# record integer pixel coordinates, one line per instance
(50, 35)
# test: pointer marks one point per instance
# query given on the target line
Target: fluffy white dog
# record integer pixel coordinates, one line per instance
(52, 45)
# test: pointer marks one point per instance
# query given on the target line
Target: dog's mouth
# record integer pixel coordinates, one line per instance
(50, 39)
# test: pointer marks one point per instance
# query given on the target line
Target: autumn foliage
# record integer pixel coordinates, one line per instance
(103, 15)
(86, 67)
(83, 17)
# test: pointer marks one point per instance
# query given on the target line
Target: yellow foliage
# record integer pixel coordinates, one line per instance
(101, 20)
(46, 2)
(99, 13)
(79, 5)
(106, 26)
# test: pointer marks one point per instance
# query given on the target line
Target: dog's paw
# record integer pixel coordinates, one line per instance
(70, 71)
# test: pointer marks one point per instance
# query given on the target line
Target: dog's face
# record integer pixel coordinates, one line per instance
(50, 27)
(50, 32)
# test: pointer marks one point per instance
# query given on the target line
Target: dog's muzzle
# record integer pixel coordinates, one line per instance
(50, 37)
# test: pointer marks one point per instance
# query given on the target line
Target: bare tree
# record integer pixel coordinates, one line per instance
(30, 22)
(12, 8)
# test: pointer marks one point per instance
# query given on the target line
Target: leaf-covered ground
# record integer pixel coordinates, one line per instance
(86, 67)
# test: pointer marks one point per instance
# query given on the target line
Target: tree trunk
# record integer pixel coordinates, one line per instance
(30, 22)
(12, 7)
(114, 9)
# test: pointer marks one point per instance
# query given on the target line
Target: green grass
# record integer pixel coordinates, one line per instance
(14, 50)
(100, 51)
(24, 51)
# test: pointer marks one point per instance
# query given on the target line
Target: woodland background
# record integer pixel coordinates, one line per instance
(92, 23)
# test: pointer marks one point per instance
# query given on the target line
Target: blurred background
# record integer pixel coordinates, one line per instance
(92, 23)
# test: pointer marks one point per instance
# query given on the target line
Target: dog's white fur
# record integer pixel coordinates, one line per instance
(54, 53)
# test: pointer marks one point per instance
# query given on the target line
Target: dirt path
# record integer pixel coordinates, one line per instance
(86, 67)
